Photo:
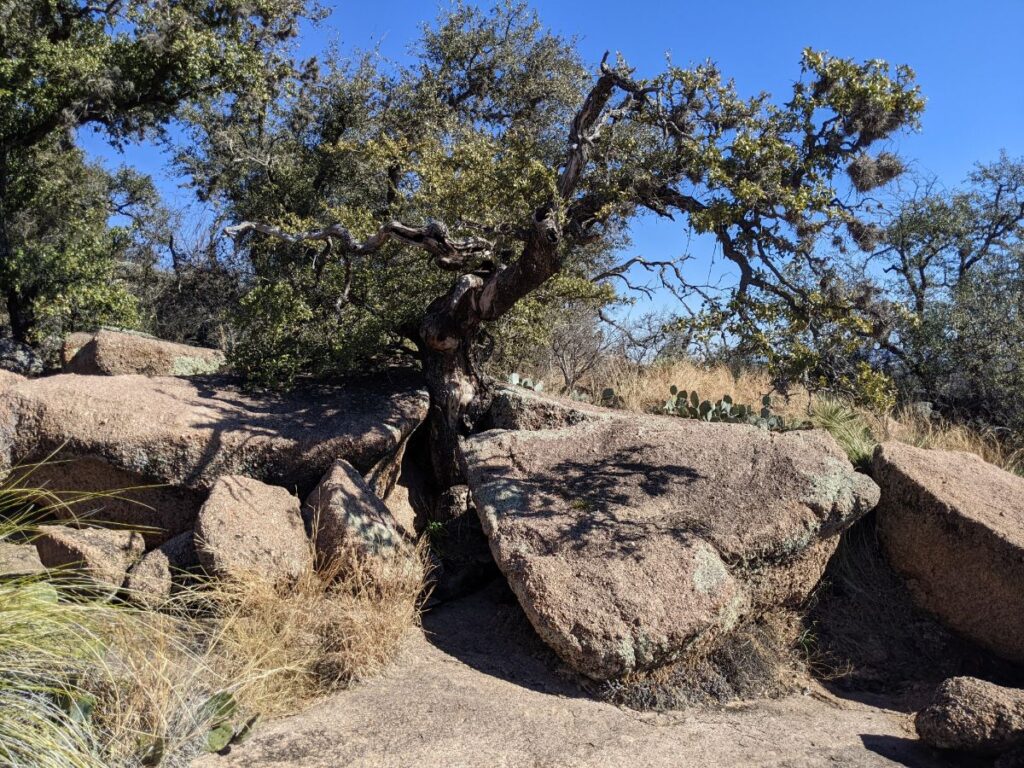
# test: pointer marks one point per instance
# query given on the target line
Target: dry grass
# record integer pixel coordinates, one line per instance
(150, 675)
(909, 427)
(755, 660)
(274, 648)
(341, 623)
(647, 388)
(644, 389)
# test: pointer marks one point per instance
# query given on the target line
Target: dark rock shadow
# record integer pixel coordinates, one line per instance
(287, 439)
(873, 645)
(915, 754)
(489, 632)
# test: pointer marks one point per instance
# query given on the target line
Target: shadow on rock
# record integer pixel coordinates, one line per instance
(489, 632)
(913, 754)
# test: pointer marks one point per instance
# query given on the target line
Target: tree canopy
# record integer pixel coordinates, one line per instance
(125, 67)
(497, 165)
(477, 200)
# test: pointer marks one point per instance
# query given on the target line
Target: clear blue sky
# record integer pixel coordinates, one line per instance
(968, 55)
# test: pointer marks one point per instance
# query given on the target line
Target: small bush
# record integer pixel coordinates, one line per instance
(333, 626)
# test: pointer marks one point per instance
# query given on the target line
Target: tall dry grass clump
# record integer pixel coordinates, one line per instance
(913, 427)
(293, 642)
(88, 680)
(45, 648)
(645, 388)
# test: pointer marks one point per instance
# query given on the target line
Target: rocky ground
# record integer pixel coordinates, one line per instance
(594, 556)
(477, 688)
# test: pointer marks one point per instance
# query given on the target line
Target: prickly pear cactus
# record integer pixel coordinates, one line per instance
(516, 380)
(690, 405)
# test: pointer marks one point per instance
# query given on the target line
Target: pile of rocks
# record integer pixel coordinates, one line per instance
(185, 472)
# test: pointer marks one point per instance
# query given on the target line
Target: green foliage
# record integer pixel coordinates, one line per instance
(848, 427)
(128, 66)
(275, 324)
(125, 68)
(470, 134)
(826, 346)
(956, 261)
(218, 714)
(969, 349)
(64, 260)
(690, 405)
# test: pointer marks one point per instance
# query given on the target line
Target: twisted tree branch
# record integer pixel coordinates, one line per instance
(449, 253)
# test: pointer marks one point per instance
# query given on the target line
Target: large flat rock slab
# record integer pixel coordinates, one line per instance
(485, 699)
(953, 526)
(628, 539)
(169, 439)
(189, 432)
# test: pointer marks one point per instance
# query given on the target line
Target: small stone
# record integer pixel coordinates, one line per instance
(102, 554)
(972, 715)
(151, 580)
(19, 560)
(346, 513)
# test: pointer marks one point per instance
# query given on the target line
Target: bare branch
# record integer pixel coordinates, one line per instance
(586, 126)
(449, 253)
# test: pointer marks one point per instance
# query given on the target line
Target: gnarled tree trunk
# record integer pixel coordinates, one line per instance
(459, 392)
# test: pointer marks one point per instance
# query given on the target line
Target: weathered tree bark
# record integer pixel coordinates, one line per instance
(459, 391)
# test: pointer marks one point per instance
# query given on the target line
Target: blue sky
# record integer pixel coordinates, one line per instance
(969, 59)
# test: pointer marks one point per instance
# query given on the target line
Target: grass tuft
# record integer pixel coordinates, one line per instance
(89, 681)
(848, 426)
(331, 627)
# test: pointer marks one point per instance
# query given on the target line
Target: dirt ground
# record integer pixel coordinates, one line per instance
(477, 688)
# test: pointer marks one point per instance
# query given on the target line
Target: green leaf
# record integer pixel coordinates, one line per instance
(217, 708)
(218, 738)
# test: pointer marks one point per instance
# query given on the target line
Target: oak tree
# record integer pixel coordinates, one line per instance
(124, 67)
(503, 173)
